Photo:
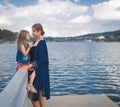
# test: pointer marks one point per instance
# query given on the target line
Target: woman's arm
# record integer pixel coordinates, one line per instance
(42, 55)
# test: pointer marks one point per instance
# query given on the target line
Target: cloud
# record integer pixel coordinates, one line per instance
(5, 16)
(109, 10)
(76, 0)
(59, 18)
(61, 8)
(4, 21)
(81, 19)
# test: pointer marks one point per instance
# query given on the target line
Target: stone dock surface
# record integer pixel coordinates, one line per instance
(79, 101)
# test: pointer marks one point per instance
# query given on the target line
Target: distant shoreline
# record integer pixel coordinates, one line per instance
(112, 36)
(4, 42)
(11, 42)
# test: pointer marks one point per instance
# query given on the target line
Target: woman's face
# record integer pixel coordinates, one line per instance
(35, 33)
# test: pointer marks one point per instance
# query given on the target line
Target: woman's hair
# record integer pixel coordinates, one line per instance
(38, 27)
(22, 38)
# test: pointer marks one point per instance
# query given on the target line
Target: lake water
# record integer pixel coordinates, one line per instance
(76, 68)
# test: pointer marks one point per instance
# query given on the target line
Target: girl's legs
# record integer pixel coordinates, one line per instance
(30, 86)
(32, 77)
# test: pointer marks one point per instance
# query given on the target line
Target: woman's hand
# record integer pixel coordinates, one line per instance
(30, 67)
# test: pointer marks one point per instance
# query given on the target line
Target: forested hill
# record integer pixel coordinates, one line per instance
(7, 35)
(108, 37)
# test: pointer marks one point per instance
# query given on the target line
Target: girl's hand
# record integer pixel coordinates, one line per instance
(30, 45)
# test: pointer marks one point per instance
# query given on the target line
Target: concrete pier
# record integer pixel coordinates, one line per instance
(80, 101)
(15, 95)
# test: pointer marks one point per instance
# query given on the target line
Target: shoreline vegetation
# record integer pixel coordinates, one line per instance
(111, 36)
(7, 36)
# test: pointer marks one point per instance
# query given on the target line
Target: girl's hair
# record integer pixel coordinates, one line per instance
(38, 27)
(22, 38)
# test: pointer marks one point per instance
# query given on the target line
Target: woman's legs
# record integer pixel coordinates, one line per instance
(30, 95)
(40, 103)
(34, 103)
(41, 99)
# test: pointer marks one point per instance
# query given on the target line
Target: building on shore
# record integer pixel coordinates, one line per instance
(100, 37)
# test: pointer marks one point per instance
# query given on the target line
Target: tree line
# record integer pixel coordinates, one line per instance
(7, 35)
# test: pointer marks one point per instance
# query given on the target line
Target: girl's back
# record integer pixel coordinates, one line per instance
(20, 57)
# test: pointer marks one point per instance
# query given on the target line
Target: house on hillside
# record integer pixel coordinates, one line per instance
(100, 38)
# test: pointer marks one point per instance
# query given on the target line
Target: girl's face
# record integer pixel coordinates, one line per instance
(35, 33)
(28, 37)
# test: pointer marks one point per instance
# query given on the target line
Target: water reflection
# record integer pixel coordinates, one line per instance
(75, 68)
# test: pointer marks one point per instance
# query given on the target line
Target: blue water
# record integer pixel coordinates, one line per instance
(75, 68)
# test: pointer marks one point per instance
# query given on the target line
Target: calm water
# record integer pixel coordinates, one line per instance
(75, 68)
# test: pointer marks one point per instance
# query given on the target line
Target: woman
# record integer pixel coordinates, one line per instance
(40, 61)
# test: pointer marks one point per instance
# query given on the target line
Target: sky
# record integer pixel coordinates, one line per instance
(61, 17)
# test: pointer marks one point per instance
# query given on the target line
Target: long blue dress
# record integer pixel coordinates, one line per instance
(40, 61)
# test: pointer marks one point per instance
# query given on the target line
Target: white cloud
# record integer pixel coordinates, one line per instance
(109, 10)
(54, 15)
(76, 0)
(4, 21)
(41, 1)
(62, 8)
(81, 19)
(58, 17)
(5, 15)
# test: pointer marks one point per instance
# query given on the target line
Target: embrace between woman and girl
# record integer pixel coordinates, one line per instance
(34, 58)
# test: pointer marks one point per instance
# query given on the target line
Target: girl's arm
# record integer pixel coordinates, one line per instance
(42, 55)
(24, 51)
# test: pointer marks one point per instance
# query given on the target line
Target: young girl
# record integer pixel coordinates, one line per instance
(22, 57)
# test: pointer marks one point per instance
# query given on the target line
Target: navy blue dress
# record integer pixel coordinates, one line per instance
(40, 61)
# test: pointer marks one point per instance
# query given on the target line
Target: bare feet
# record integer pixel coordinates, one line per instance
(31, 88)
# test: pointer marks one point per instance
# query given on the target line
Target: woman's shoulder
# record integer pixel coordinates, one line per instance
(42, 42)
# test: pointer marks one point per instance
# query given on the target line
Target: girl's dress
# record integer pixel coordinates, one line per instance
(39, 58)
(21, 59)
